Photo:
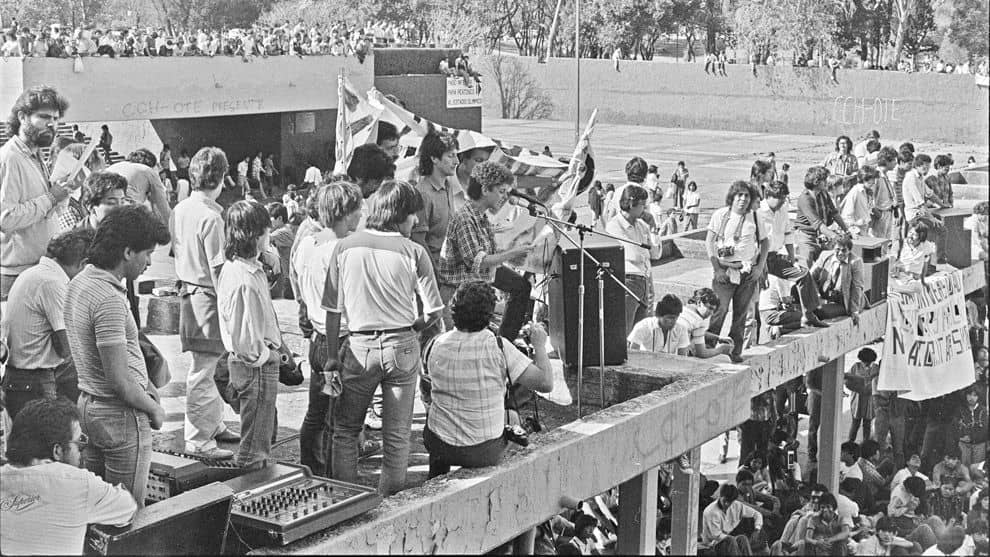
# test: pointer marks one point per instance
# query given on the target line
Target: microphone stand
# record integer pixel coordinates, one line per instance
(602, 272)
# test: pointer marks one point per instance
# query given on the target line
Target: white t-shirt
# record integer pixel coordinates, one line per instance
(745, 241)
(692, 202)
(44, 509)
(847, 509)
(904, 474)
(312, 175)
(695, 325)
(311, 262)
(853, 471)
(649, 336)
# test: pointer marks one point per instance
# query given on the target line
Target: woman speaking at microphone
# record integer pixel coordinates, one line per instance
(468, 252)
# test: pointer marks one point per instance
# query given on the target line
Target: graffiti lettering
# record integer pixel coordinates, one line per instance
(865, 110)
(157, 108)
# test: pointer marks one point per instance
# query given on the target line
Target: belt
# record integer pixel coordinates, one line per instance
(11, 370)
(105, 400)
(383, 331)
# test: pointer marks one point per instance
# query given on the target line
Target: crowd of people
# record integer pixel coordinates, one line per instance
(333, 39)
(397, 284)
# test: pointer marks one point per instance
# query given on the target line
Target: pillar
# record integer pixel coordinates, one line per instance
(685, 498)
(830, 433)
(638, 515)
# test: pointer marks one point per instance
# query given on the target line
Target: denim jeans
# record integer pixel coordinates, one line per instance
(21, 386)
(641, 287)
(391, 360)
(894, 425)
(256, 389)
(741, 298)
(119, 449)
(315, 435)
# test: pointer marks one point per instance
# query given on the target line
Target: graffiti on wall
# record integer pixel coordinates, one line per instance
(866, 110)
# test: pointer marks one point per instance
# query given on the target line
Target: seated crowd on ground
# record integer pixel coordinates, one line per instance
(396, 285)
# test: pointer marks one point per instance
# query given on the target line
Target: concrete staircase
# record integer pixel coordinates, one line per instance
(65, 130)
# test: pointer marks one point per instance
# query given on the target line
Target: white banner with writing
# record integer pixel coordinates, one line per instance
(926, 349)
(462, 93)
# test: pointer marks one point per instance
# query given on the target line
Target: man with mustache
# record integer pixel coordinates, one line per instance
(27, 197)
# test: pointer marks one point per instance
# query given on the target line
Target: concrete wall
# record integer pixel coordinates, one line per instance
(426, 95)
(931, 107)
(109, 90)
(299, 147)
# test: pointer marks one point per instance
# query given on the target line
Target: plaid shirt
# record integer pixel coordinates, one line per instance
(841, 165)
(470, 238)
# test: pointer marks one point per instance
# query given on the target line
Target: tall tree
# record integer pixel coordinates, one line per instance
(970, 26)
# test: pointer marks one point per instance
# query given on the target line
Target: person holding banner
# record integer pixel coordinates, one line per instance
(469, 253)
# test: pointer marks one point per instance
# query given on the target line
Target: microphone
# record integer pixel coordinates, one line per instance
(526, 197)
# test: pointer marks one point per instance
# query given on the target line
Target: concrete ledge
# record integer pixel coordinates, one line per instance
(474, 511)
(163, 315)
(779, 361)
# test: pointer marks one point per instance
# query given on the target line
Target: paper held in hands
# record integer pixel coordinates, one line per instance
(67, 166)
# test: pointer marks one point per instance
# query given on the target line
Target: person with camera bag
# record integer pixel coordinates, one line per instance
(737, 246)
(249, 330)
(467, 374)
(816, 213)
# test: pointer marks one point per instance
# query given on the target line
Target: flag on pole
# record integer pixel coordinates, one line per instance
(571, 180)
(357, 124)
(412, 128)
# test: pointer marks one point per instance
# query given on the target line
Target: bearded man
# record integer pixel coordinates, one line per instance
(27, 197)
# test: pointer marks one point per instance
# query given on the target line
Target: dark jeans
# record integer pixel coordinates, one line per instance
(807, 247)
(754, 436)
(894, 425)
(443, 456)
(21, 386)
(316, 433)
(867, 424)
(788, 321)
(119, 449)
(518, 307)
(741, 297)
(779, 266)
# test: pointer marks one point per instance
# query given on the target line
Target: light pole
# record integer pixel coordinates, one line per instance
(577, 58)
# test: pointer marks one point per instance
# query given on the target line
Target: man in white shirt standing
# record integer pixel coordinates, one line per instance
(48, 497)
(198, 238)
(39, 345)
(339, 206)
(914, 188)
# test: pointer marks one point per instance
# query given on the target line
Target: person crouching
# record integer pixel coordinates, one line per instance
(249, 330)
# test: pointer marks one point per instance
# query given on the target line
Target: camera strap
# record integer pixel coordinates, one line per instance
(738, 232)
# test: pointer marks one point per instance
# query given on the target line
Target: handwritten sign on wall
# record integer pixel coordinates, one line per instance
(161, 108)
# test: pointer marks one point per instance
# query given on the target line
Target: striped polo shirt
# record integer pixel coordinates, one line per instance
(97, 314)
(373, 279)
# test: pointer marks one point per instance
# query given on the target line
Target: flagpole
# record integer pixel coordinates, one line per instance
(577, 58)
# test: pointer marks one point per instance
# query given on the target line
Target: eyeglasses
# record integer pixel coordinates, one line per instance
(82, 442)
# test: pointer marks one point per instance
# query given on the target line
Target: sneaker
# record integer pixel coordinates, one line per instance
(216, 453)
(372, 420)
(369, 447)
